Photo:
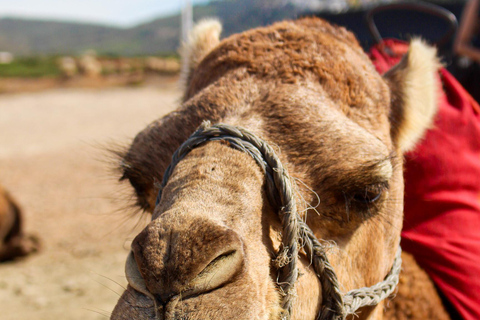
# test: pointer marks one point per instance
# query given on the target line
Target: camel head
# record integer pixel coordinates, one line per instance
(339, 128)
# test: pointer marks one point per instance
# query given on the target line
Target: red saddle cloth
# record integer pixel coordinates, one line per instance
(442, 191)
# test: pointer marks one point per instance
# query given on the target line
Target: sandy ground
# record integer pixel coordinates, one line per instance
(52, 160)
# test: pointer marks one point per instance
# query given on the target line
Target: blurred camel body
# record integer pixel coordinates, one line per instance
(13, 242)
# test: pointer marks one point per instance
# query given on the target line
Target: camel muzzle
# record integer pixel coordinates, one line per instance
(295, 234)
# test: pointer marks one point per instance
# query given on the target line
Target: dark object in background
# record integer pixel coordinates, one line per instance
(468, 74)
(433, 23)
(466, 63)
(399, 24)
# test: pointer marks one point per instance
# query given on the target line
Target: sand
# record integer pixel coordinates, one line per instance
(53, 161)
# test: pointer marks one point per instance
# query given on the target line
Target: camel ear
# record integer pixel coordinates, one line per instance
(204, 36)
(414, 87)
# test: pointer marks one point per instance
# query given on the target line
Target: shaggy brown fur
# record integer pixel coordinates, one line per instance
(13, 242)
(307, 88)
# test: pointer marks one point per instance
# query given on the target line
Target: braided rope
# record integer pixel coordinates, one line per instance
(371, 296)
(295, 232)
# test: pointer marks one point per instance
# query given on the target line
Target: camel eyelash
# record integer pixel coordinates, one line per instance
(364, 200)
(370, 193)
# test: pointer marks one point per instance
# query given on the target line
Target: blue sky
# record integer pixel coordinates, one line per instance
(122, 13)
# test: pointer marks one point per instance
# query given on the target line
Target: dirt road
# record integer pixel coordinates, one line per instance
(52, 159)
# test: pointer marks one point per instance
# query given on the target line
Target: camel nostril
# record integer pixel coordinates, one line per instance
(218, 272)
(186, 260)
(218, 261)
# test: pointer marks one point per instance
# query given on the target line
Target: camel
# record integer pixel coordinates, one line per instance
(212, 248)
(14, 243)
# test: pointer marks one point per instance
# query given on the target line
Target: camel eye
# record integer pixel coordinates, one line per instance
(370, 194)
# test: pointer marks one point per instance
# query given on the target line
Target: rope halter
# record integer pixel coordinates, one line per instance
(295, 232)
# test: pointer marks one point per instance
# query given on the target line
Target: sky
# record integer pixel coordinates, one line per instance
(122, 13)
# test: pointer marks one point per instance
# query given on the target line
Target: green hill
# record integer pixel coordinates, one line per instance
(30, 37)
(161, 36)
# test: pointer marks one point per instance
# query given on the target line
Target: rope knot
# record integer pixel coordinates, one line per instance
(282, 259)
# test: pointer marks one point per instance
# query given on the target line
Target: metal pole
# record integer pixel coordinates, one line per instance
(187, 20)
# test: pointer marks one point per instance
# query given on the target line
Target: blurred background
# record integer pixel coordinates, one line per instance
(64, 39)
(78, 78)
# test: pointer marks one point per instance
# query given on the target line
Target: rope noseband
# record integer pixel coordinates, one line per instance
(295, 233)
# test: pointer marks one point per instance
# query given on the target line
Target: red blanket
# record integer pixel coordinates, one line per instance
(442, 192)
